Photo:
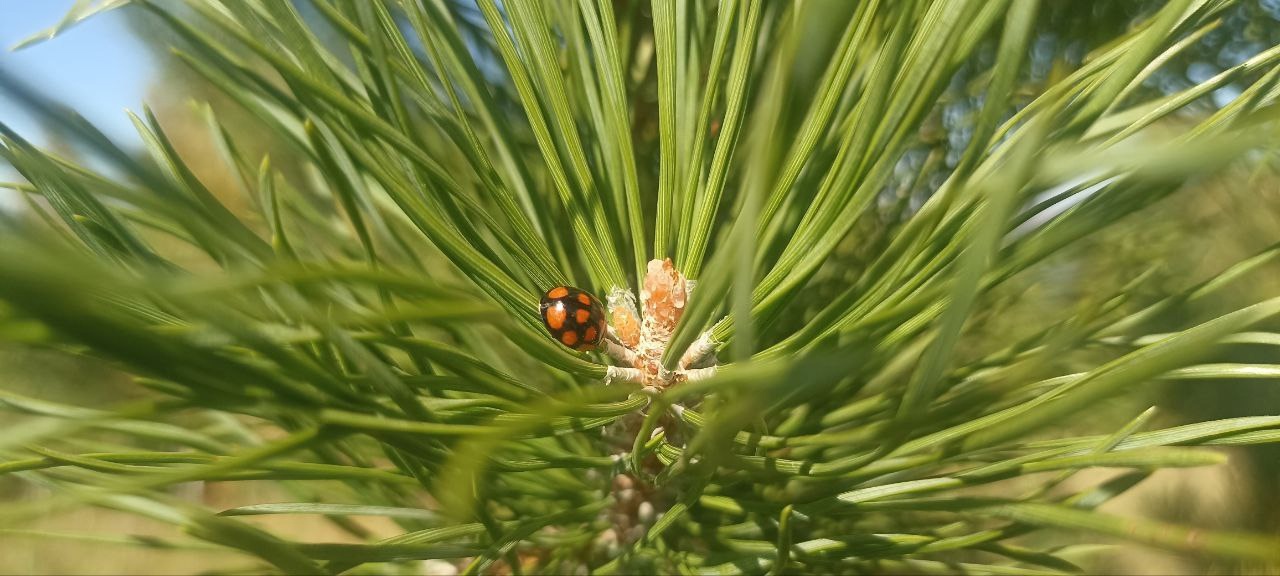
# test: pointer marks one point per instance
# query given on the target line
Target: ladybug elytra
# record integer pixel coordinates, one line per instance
(574, 317)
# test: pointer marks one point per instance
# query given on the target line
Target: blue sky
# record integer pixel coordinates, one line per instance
(97, 67)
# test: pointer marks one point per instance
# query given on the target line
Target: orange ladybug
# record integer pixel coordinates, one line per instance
(573, 317)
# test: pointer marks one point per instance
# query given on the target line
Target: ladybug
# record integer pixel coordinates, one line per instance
(573, 317)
